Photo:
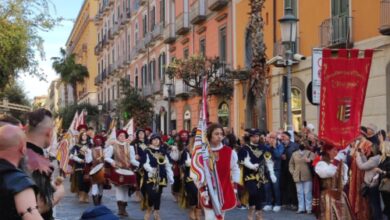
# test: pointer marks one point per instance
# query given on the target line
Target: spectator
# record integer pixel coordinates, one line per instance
(300, 170)
(288, 189)
(384, 171)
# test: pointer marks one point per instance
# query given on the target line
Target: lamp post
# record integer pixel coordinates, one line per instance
(288, 26)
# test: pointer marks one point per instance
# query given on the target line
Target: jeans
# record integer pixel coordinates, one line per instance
(272, 191)
(374, 201)
(304, 195)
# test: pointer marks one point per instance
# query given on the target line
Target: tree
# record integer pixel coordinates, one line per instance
(68, 112)
(20, 21)
(15, 94)
(192, 70)
(70, 71)
(133, 105)
(259, 69)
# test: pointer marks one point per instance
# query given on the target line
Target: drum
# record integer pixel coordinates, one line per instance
(121, 177)
(97, 174)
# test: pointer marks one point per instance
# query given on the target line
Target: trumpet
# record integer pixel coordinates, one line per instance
(161, 159)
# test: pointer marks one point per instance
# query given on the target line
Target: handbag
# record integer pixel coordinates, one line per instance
(384, 186)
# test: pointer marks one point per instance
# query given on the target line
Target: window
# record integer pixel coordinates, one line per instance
(136, 79)
(136, 34)
(202, 47)
(187, 120)
(118, 87)
(223, 114)
(162, 11)
(291, 4)
(151, 72)
(161, 64)
(222, 44)
(145, 25)
(152, 18)
(296, 108)
(113, 92)
(185, 53)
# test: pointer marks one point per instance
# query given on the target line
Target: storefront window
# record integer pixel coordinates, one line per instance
(296, 108)
(223, 114)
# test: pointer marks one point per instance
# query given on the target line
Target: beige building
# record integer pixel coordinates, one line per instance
(59, 96)
(81, 42)
(39, 101)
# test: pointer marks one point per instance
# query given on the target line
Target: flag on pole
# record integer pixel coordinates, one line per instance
(203, 167)
(112, 132)
(81, 120)
(129, 128)
(73, 126)
(63, 152)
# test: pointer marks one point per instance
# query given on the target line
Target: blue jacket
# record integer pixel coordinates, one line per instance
(276, 155)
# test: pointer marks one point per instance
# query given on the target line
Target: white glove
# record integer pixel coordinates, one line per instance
(152, 172)
(205, 197)
(341, 156)
(273, 178)
(255, 166)
(170, 180)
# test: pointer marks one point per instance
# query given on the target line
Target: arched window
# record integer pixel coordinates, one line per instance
(223, 114)
(187, 119)
(136, 79)
(297, 103)
(161, 66)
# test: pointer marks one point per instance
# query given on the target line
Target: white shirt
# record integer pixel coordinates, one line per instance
(325, 170)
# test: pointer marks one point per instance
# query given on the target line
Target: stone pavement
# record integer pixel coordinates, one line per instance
(70, 209)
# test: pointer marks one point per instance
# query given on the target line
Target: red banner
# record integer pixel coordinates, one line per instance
(344, 79)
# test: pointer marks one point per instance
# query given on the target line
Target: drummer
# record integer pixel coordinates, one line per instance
(121, 156)
(96, 157)
(158, 175)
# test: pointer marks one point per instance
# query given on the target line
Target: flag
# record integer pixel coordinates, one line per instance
(203, 168)
(53, 144)
(344, 81)
(63, 151)
(129, 128)
(112, 132)
(73, 126)
(81, 120)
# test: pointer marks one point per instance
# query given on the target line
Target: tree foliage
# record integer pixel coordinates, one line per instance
(70, 72)
(193, 69)
(20, 22)
(133, 105)
(68, 112)
(15, 94)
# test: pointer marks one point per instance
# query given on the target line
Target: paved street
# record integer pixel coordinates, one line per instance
(71, 209)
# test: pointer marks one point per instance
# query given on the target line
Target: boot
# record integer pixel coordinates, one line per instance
(120, 208)
(85, 197)
(259, 215)
(198, 214)
(191, 213)
(251, 212)
(137, 197)
(99, 199)
(81, 197)
(124, 205)
(156, 215)
(95, 200)
(148, 213)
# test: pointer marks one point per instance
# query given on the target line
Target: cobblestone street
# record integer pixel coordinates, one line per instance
(71, 209)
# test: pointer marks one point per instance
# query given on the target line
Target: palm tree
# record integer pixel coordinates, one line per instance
(70, 72)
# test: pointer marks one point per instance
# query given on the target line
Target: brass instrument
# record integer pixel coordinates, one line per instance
(161, 160)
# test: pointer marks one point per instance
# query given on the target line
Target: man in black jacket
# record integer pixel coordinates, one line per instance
(18, 200)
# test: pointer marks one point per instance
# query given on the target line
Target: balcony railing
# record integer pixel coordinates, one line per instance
(110, 34)
(336, 32)
(147, 90)
(110, 69)
(198, 12)
(98, 80)
(141, 47)
(169, 33)
(157, 31)
(216, 5)
(147, 38)
(98, 48)
(180, 87)
(104, 74)
(384, 27)
(182, 24)
(133, 53)
(157, 86)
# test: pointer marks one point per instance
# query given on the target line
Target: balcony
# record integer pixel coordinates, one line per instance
(98, 80)
(147, 90)
(198, 12)
(110, 34)
(384, 27)
(141, 47)
(128, 15)
(181, 89)
(104, 74)
(169, 33)
(157, 86)
(182, 24)
(143, 2)
(336, 32)
(147, 39)
(104, 41)
(157, 31)
(133, 53)
(110, 69)
(116, 28)
(98, 48)
(216, 5)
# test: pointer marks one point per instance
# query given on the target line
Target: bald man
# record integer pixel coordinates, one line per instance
(39, 133)
(18, 199)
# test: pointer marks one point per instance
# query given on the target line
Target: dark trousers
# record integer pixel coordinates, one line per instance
(176, 185)
(192, 193)
(374, 201)
(288, 189)
(154, 196)
(256, 194)
(81, 184)
(386, 201)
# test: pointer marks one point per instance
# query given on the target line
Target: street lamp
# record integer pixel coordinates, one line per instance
(169, 89)
(100, 107)
(288, 26)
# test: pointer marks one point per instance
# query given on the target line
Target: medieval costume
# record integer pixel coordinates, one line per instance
(35, 156)
(257, 168)
(359, 203)
(158, 174)
(121, 155)
(80, 167)
(95, 157)
(333, 176)
(139, 144)
(175, 152)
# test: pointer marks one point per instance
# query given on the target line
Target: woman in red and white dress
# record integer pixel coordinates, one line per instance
(226, 163)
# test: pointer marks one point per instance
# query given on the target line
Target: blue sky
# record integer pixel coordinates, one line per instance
(54, 40)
